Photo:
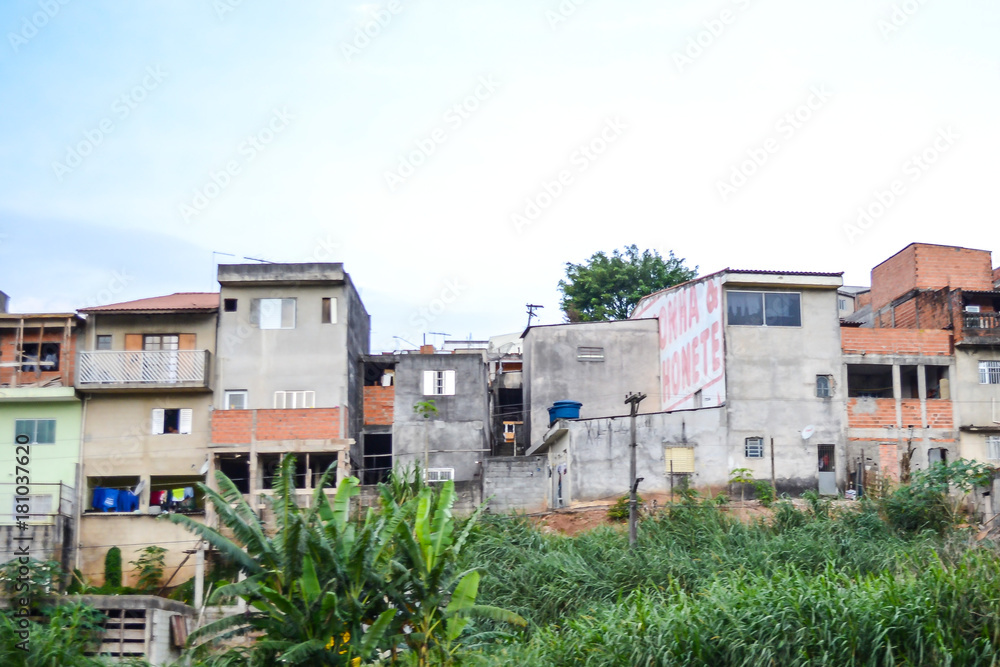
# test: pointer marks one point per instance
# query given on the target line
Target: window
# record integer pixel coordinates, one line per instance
(49, 360)
(824, 386)
(161, 342)
(439, 383)
(768, 309)
(989, 372)
(168, 421)
(236, 399)
(104, 342)
(679, 459)
(229, 305)
(273, 313)
(38, 431)
(993, 447)
(112, 494)
(288, 400)
(869, 381)
(378, 457)
(754, 448)
(178, 493)
(440, 475)
(842, 304)
(329, 312)
(590, 354)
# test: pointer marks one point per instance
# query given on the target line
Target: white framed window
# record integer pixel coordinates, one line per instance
(236, 399)
(161, 342)
(38, 431)
(993, 447)
(842, 304)
(753, 448)
(439, 383)
(291, 400)
(763, 309)
(824, 386)
(273, 313)
(989, 372)
(590, 354)
(171, 421)
(439, 475)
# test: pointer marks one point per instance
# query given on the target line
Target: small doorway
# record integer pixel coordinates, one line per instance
(827, 470)
(937, 455)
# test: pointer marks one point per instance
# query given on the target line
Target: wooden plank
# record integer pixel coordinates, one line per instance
(186, 341)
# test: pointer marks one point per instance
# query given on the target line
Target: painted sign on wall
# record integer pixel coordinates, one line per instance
(692, 358)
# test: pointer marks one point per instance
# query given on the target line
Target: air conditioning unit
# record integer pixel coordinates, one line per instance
(972, 309)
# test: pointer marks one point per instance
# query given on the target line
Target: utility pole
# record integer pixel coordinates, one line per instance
(532, 307)
(633, 401)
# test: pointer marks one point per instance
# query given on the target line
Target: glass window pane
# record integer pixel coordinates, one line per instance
(45, 431)
(24, 427)
(288, 313)
(782, 310)
(270, 313)
(104, 342)
(745, 308)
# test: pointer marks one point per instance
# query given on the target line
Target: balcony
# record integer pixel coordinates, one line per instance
(981, 328)
(159, 370)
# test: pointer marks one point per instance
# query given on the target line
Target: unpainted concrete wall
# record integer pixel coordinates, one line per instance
(552, 371)
(516, 484)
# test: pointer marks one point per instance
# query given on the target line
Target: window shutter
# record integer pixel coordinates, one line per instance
(187, 341)
(133, 341)
(429, 382)
(157, 421)
(287, 313)
(185, 420)
(449, 383)
(682, 457)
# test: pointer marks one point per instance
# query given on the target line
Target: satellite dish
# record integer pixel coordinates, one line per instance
(140, 487)
(204, 468)
(808, 431)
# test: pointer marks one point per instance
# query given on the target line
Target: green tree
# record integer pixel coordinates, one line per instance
(607, 287)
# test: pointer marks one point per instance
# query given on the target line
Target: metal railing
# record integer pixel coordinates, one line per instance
(982, 320)
(114, 367)
(46, 502)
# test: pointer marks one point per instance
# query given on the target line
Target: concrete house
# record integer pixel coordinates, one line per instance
(289, 375)
(741, 369)
(452, 441)
(145, 369)
(40, 416)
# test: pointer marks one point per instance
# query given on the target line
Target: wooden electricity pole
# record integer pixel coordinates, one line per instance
(633, 401)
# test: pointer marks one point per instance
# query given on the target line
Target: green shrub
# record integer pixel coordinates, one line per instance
(113, 568)
(150, 565)
(619, 511)
(763, 491)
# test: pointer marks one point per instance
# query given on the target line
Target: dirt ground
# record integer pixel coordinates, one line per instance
(579, 519)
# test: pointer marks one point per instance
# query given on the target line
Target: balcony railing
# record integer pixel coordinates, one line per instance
(982, 320)
(148, 368)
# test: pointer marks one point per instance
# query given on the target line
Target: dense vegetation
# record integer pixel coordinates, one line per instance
(889, 581)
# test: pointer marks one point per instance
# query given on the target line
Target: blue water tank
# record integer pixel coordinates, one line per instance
(564, 410)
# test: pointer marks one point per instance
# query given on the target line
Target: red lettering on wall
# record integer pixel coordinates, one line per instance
(716, 346)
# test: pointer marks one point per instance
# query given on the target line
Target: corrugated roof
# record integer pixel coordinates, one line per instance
(176, 301)
(786, 273)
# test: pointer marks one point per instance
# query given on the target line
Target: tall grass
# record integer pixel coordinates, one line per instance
(705, 589)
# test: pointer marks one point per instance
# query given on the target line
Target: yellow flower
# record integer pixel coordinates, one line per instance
(356, 662)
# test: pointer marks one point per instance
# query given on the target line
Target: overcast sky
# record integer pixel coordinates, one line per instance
(455, 155)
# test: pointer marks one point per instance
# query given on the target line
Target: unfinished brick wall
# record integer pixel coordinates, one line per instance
(996, 276)
(924, 266)
(872, 412)
(939, 414)
(235, 427)
(895, 341)
(379, 405)
(863, 299)
(53, 334)
(905, 315)
(911, 412)
(888, 459)
(231, 427)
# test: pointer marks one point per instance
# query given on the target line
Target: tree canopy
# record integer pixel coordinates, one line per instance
(607, 287)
